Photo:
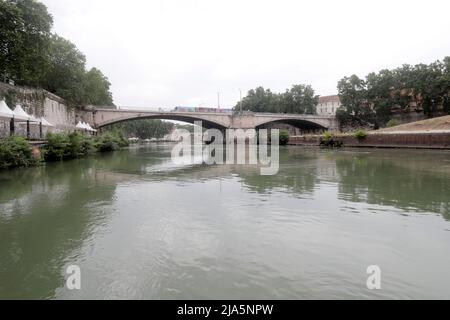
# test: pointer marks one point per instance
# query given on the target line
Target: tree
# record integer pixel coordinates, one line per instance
(259, 100)
(97, 88)
(143, 128)
(299, 99)
(10, 18)
(355, 109)
(31, 55)
(66, 74)
(25, 29)
(379, 95)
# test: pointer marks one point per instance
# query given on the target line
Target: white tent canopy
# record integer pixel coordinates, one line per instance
(45, 123)
(90, 128)
(42, 121)
(5, 111)
(84, 126)
(80, 126)
(21, 115)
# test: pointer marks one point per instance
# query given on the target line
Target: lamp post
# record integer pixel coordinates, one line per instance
(218, 100)
(240, 103)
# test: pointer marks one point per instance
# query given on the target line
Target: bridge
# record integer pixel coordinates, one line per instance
(100, 117)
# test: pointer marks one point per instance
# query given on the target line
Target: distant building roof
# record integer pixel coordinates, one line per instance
(325, 99)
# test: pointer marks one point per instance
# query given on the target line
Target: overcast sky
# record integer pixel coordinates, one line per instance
(164, 53)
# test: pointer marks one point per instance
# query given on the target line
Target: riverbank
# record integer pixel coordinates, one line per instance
(16, 151)
(426, 134)
(419, 140)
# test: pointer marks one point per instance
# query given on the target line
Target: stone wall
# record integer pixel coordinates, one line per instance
(399, 140)
(39, 103)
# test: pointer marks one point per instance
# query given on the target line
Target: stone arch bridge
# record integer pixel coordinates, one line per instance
(102, 117)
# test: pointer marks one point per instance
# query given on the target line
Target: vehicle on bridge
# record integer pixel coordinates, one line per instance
(202, 109)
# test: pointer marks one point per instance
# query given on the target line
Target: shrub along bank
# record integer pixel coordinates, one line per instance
(17, 152)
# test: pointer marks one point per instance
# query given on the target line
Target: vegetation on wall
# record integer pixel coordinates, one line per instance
(299, 99)
(360, 135)
(31, 55)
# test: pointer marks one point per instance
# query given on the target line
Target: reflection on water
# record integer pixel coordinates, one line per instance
(142, 227)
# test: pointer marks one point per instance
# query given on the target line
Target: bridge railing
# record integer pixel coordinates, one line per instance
(171, 110)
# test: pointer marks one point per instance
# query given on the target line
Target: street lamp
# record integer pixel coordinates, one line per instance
(218, 100)
(240, 94)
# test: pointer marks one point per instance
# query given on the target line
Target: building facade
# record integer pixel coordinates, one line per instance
(328, 105)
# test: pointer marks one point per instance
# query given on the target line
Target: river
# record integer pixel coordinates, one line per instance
(140, 227)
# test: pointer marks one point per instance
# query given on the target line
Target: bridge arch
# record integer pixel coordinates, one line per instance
(302, 124)
(206, 122)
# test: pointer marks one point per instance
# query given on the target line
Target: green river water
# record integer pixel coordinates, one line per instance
(141, 227)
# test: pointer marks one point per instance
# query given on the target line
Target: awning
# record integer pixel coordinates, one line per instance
(21, 115)
(45, 123)
(90, 128)
(80, 126)
(5, 111)
(84, 127)
(42, 121)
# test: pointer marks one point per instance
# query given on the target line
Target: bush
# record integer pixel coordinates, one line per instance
(284, 137)
(393, 123)
(327, 140)
(110, 141)
(68, 146)
(58, 145)
(360, 135)
(327, 136)
(16, 152)
(79, 145)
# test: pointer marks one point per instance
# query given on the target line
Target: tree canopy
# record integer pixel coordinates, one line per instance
(299, 99)
(371, 101)
(143, 128)
(31, 55)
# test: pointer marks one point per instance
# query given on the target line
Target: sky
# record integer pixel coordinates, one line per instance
(166, 53)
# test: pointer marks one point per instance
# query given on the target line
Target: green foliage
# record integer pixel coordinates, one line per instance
(355, 110)
(144, 128)
(57, 146)
(24, 37)
(327, 136)
(284, 137)
(370, 102)
(97, 88)
(299, 99)
(16, 152)
(360, 134)
(62, 146)
(110, 141)
(393, 123)
(66, 73)
(79, 145)
(327, 140)
(106, 143)
(68, 146)
(31, 55)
